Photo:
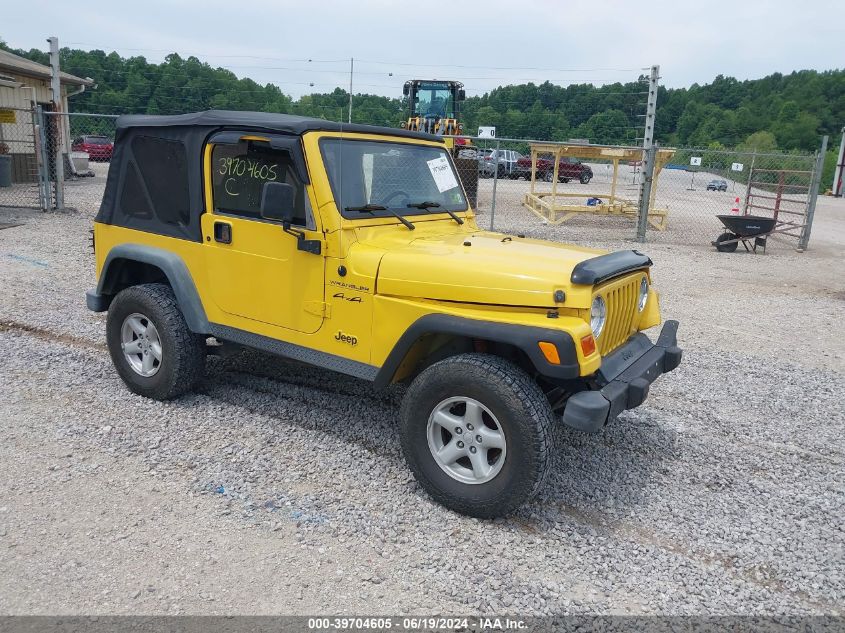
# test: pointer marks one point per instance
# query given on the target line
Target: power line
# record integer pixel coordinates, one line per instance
(363, 61)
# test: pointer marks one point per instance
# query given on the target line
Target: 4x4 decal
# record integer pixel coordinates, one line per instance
(340, 295)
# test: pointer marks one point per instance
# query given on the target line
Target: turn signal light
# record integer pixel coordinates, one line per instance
(588, 345)
(550, 352)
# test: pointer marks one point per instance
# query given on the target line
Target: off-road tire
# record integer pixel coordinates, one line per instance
(522, 411)
(183, 352)
(726, 248)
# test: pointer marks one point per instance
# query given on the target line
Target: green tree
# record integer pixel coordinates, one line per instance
(795, 109)
(762, 141)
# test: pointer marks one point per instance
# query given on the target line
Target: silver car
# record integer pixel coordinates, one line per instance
(503, 160)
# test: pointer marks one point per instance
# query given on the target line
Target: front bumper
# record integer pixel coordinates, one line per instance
(624, 379)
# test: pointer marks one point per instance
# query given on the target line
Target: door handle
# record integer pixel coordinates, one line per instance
(223, 232)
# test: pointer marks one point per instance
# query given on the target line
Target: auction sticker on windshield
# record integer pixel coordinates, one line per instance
(442, 173)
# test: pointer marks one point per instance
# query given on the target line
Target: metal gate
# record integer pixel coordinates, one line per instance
(782, 194)
(20, 159)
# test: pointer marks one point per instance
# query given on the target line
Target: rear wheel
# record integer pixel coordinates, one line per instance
(476, 432)
(153, 350)
(585, 178)
(726, 248)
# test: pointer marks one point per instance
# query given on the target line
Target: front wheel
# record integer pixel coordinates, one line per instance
(476, 432)
(585, 178)
(730, 247)
(151, 346)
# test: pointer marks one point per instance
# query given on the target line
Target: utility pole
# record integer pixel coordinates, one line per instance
(838, 186)
(649, 158)
(651, 107)
(804, 240)
(351, 71)
(649, 154)
(56, 121)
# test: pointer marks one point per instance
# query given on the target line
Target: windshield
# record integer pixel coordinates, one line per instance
(391, 175)
(435, 99)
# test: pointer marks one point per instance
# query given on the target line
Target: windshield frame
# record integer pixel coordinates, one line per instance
(404, 211)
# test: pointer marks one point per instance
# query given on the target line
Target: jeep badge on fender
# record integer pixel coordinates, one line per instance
(345, 338)
(246, 255)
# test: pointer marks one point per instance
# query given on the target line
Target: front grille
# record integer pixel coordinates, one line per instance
(621, 299)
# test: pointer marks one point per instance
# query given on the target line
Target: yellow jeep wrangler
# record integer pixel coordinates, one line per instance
(353, 248)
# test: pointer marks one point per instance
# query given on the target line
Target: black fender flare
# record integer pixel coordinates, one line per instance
(523, 337)
(174, 269)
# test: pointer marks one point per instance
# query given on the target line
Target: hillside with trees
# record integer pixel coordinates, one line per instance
(786, 112)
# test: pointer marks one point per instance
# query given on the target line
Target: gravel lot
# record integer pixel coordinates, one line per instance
(281, 489)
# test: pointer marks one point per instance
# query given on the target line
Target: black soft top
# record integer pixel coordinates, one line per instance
(155, 180)
(270, 121)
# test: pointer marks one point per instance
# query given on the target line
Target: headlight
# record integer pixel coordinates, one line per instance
(598, 315)
(643, 294)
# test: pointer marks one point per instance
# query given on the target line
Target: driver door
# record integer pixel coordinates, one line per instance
(255, 269)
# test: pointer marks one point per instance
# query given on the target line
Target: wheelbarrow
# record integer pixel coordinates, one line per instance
(748, 229)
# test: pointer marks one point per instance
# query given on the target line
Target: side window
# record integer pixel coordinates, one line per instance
(163, 166)
(238, 174)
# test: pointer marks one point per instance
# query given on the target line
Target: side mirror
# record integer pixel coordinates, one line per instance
(462, 95)
(277, 200)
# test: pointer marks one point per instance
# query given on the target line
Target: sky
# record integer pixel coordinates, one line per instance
(484, 44)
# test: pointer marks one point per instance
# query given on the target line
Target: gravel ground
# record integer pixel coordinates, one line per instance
(281, 489)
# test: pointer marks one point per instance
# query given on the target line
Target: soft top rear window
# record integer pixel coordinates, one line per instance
(163, 167)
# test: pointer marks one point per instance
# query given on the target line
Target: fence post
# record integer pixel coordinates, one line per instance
(649, 158)
(839, 170)
(56, 97)
(495, 182)
(748, 183)
(804, 240)
(41, 159)
(651, 107)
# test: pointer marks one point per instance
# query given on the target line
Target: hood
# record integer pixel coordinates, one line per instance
(492, 269)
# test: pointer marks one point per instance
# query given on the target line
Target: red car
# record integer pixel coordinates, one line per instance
(568, 169)
(98, 148)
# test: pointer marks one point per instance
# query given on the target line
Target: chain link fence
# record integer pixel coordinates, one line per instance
(591, 197)
(598, 195)
(20, 180)
(76, 157)
(698, 185)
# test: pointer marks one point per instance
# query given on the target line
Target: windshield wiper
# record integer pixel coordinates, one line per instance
(434, 205)
(369, 208)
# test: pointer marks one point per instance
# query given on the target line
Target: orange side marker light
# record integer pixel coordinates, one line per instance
(550, 352)
(588, 345)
